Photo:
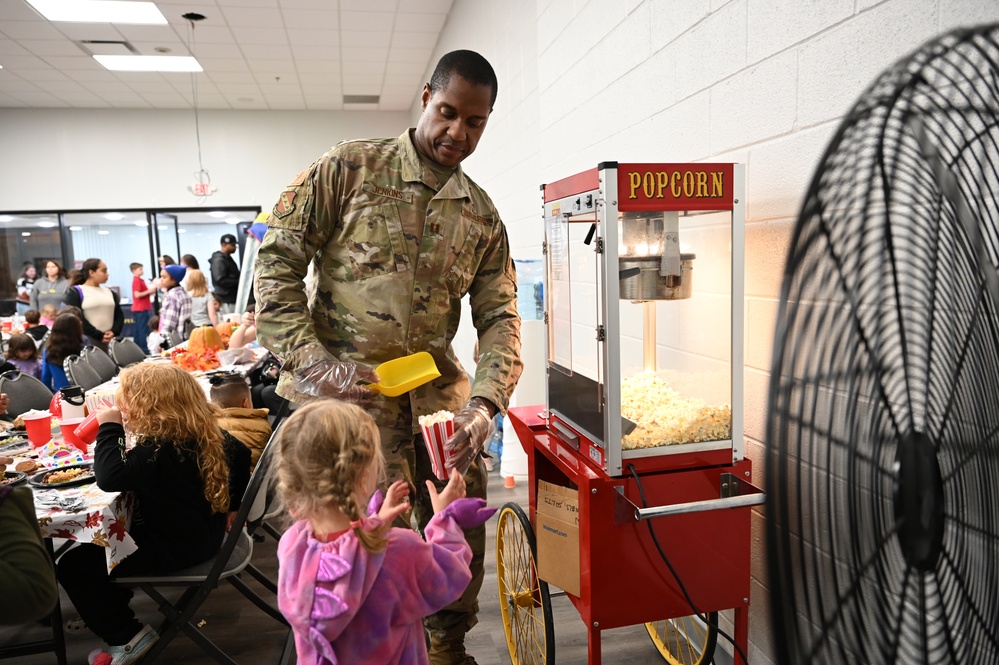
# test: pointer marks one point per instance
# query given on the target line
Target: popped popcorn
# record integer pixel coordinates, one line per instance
(664, 417)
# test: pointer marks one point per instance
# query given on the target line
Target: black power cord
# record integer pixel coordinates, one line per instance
(690, 601)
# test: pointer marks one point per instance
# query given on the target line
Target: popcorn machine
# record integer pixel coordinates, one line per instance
(640, 442)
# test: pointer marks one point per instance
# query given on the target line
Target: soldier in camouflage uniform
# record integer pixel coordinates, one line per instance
(398, 234)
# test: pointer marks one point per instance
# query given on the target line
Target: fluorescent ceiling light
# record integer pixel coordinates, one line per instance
(142, 223)
(47, 225)
(6, 218)
(102, 232)
(76, 228)
(149, 63)
(114, 216)
(232, 220)
(181, 230)
(100, 11)
(25, 233)
(218, 214)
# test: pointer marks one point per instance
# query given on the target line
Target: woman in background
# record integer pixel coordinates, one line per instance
(189, 261)
(25, 282)
(102, 315)
(50, 288)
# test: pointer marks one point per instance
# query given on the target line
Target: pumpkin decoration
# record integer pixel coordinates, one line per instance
(204, 338)
(225, 330)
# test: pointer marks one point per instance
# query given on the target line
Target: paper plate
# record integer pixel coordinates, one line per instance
(401, 375)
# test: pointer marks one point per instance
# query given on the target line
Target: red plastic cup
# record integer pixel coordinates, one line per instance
(434, 437)
(39, 429)
(68, 428)
(86, 431)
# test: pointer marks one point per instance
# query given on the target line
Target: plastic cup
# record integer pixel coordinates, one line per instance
(86, 431)
(68, 428)
(39, 429)
(434, 436)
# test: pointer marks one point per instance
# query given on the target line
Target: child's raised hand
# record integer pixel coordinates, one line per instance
(110, 415)
(396, 501)
(455, 489)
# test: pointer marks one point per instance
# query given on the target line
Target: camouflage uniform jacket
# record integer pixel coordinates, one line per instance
(393, 258)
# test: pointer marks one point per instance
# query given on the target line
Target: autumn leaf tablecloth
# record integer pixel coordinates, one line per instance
(87, 514)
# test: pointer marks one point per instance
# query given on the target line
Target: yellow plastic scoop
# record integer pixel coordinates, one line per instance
(401, 375)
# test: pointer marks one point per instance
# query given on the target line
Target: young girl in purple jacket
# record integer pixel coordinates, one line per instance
(354, 589)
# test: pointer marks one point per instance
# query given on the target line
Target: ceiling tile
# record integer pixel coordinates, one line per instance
(7, 101)
(285, 101)
(125, 100)
(209, 34)
(428, 6)
(359, 54)
(369, 5)
(218, 51)
(315, 19)
(256, 103)
(249, 3)
(413, 39)
(81, 61)
(166, 101)
(83, 100)
(29, 30)
(78, 31)
(151, 33)
(366, 21)
(48, 75)
(11, 85)
(269, 52)
(249, 37)
(105, 87)
(49, 47)
(300, 36)
(238, 89)
(10, 47)
(41, 100)
(251, 17)
(233, 77)
(366, 39)
(214, 66)
(364, 68)
(410, 54)
(315, 51)
(18, 10)
(420, 22)
(324, 102)
(149, 48)
(394, 79)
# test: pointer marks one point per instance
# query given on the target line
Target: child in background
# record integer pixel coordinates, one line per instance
(354, 589)
(49, 313)
(23, 354)
(65, 339)
(184, 474)
(142, 307)
(33, 325)
(231, 393)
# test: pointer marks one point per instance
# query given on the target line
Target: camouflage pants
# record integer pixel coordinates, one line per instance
(409, 459)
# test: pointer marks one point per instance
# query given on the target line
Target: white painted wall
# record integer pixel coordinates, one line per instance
(56, 159)
(763, 82)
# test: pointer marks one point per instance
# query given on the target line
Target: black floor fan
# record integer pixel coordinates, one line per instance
(882, 469)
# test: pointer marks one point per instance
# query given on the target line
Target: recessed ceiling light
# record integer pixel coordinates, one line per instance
(47, 225)
(114, 216)
(76, 228)
(25, 233)
(218, 214)
(232, 220)
(103, 232)
(6, 218)
(149, 63)
(181, 230)
(100, 11)
(142, 223)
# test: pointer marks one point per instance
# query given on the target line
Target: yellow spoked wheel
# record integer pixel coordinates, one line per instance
(524, 600)
(685, 640)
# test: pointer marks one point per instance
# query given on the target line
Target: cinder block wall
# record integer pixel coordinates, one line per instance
(762, 82)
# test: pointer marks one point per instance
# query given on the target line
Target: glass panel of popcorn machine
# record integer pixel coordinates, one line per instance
(675, 326)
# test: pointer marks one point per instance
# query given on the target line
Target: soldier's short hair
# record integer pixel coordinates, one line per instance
(470, 66)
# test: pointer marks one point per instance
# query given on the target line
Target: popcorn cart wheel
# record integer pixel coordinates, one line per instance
(525, 603)
(524, 599)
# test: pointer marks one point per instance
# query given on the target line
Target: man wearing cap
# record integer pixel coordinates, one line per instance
(176, 308)
(398, 235)
(225, 274)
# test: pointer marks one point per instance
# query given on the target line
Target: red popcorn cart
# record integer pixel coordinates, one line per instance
(640, 492)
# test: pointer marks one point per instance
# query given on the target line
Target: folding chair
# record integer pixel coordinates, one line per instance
(101, 362)
(125, 352)
(25, 392)
(198, 581)
(78, 371)
(174, 338)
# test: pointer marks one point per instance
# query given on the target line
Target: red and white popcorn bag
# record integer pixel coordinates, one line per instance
(438, 428)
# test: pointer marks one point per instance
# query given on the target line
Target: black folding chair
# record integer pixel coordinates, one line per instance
(198, 581)
(101, 362)
(125, 352)
(80, 372)
(25, 392)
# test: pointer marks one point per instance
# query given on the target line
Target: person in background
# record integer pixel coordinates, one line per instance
(29, 583)
(22, 352)
(66, 339)
(185, 475)
(203, 306)
(142, 306)
(231, 393)
(25, 282)
(225, 273)
(103, 318)
(33, 325)
(190, 262)
(390, 286)
(384, 579)
(49, 313)
(50, 288)
(166, 260)
(176, 308)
